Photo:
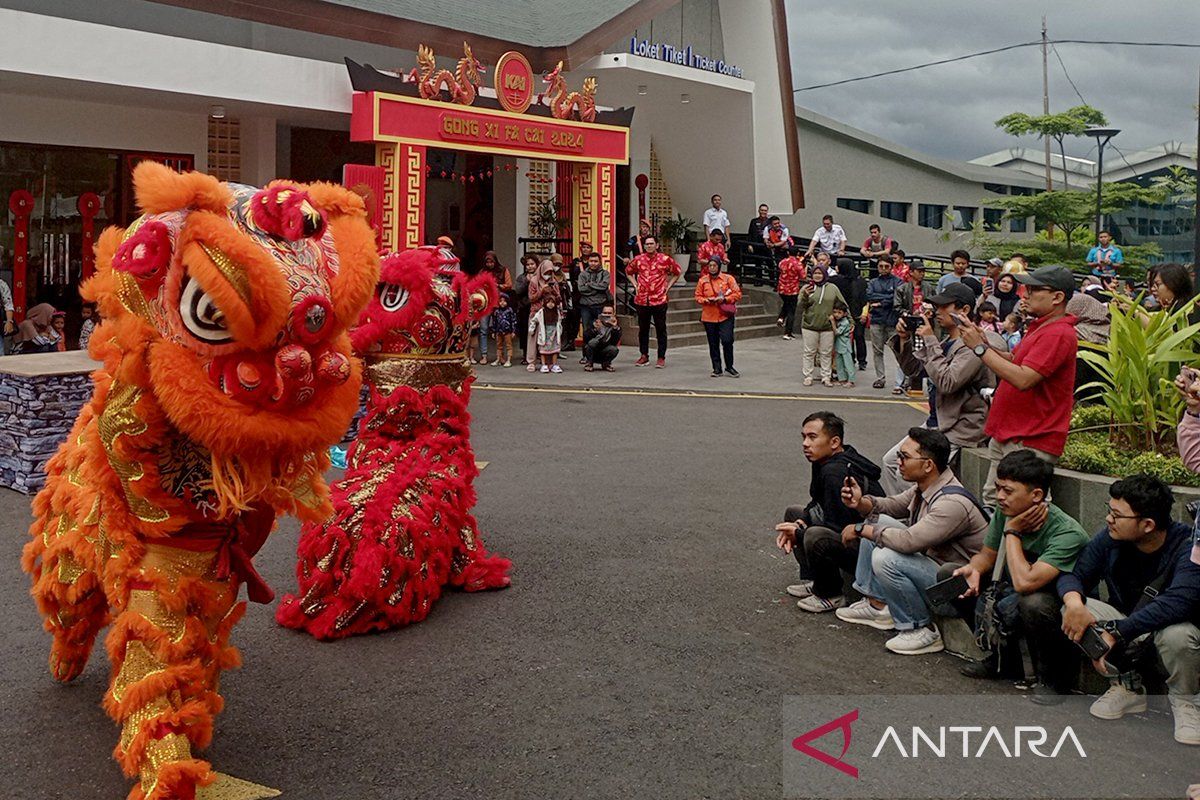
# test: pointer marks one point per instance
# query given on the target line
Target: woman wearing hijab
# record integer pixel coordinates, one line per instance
(718, 294)
(521, 287)
(36, 332)
(816, 309)
(1004, 297)
(542, 287)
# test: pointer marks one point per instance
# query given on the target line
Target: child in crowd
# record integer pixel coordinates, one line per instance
(988, 319)
(503, 327)
(472, 341)
(58, 323)
(1012, 331)
(843, 343)
(791, 275)
(91, 317)
(545, 329)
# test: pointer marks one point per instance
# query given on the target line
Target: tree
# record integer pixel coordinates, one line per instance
(1072, 210)
(1072, 122)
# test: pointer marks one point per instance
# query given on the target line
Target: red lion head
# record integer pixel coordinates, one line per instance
(423, 305)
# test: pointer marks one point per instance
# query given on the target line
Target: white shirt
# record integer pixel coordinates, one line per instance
(715, 219)
(829, 240)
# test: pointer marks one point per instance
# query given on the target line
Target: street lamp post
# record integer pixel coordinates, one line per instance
(1101, 135)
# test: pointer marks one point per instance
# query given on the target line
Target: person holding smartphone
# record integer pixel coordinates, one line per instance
(906, 538)
(602, 342)
(1187, 436)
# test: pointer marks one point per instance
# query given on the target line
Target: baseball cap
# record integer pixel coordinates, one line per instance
(1052, 276)
(996, 262)
(957, 294)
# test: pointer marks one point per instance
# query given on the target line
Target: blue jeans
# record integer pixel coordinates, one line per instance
(485, 324)
(899, 580)
(587, 317)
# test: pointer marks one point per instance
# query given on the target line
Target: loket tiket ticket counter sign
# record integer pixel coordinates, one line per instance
(442, 109)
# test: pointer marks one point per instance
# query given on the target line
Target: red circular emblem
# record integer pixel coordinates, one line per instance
(514, 82)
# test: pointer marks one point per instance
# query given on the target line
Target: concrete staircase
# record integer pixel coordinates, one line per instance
(684, 328)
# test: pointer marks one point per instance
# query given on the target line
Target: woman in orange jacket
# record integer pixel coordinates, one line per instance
(718, 294)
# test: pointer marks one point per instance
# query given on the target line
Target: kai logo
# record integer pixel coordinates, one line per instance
(515, 82)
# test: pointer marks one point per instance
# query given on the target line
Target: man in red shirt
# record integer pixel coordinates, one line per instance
(653, 274)
(713, 246)
(1031, 409)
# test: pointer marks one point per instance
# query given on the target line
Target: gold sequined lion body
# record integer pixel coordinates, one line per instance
(226, 373)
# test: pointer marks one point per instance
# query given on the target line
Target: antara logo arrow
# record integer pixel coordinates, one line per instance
(843, 722)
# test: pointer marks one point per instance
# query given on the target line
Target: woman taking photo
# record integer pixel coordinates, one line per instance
(816, 326)
(1172, 289)
(718, 294)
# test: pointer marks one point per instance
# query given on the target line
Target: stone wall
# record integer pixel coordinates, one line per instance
(1081, 495)
(36, 414)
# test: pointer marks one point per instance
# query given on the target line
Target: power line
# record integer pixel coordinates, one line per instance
(1078, 94)
(992, 52)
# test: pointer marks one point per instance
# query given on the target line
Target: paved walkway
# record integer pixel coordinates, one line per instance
(768, 366)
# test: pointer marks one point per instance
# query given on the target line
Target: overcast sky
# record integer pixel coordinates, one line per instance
(949, 110)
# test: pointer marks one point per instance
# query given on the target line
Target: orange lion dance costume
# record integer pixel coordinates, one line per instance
(401, 528)
(226, 374)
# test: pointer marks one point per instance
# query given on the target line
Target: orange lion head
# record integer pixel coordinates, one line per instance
(231, 305)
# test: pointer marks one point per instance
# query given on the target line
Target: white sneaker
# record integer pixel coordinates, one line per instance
(800, 590)
(545, 368)
(788, 337)
(1117, 702)
(819, 605)
(863, 613)
(556, 369)
(1187, 721)
(915, 642)
(808, 381)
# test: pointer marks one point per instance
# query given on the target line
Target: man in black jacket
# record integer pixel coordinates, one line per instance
(1144, 560)
(813, 533)
(602, 341)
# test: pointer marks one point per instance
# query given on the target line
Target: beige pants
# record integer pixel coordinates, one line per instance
(1178, 649)
(998, 450)
(818, 353)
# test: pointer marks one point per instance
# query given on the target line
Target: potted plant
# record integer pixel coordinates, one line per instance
(675, 234)
(544, 220)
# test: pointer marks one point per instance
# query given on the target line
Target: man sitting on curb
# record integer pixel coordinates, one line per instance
(1029, 543)
(812, 533)
(1153, 603)
(957, 373)
(896, 564)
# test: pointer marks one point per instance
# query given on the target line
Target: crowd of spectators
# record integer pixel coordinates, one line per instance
(902, 546)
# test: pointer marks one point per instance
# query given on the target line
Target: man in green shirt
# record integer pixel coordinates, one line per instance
(1035, 541)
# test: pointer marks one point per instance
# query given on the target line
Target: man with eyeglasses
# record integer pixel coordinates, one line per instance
(1037, 541)
(898, 561)
(1031, 409)
(1151, 620)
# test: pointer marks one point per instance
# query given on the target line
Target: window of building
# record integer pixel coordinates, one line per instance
(930, 215)
(1018, 224)
(891, 209)
(851, 204)
(992, 218)
(1020, 190)
(996, 188)
(963, 217)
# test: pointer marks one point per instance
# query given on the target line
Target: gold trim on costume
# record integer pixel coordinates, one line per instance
(230, 270)
(119, 418)
(422, 372)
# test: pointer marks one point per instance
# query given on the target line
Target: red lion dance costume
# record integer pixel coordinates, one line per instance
(226, 374)
(401, 528)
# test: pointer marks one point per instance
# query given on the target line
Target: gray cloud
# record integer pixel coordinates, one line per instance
(949, 110)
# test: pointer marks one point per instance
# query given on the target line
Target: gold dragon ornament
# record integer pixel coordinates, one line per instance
(562, 104)
(461, 84)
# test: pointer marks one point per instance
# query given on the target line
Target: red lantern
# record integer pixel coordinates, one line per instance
(443, 173)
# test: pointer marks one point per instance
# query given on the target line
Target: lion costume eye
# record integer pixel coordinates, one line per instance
(201, 316)
(393, 297)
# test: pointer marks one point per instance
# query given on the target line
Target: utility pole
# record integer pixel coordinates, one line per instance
(1046, 101)
(1196, 223)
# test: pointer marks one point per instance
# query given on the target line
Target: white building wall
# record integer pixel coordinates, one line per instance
(839, 166)
(749, 38)
(51, 120)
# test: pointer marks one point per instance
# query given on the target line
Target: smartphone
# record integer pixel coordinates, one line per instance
(1093, 644)
(853, 471)
(944, 593)
(959, 319)
(1189, 374)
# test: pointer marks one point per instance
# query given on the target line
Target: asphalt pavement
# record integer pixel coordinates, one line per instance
(645, 648)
